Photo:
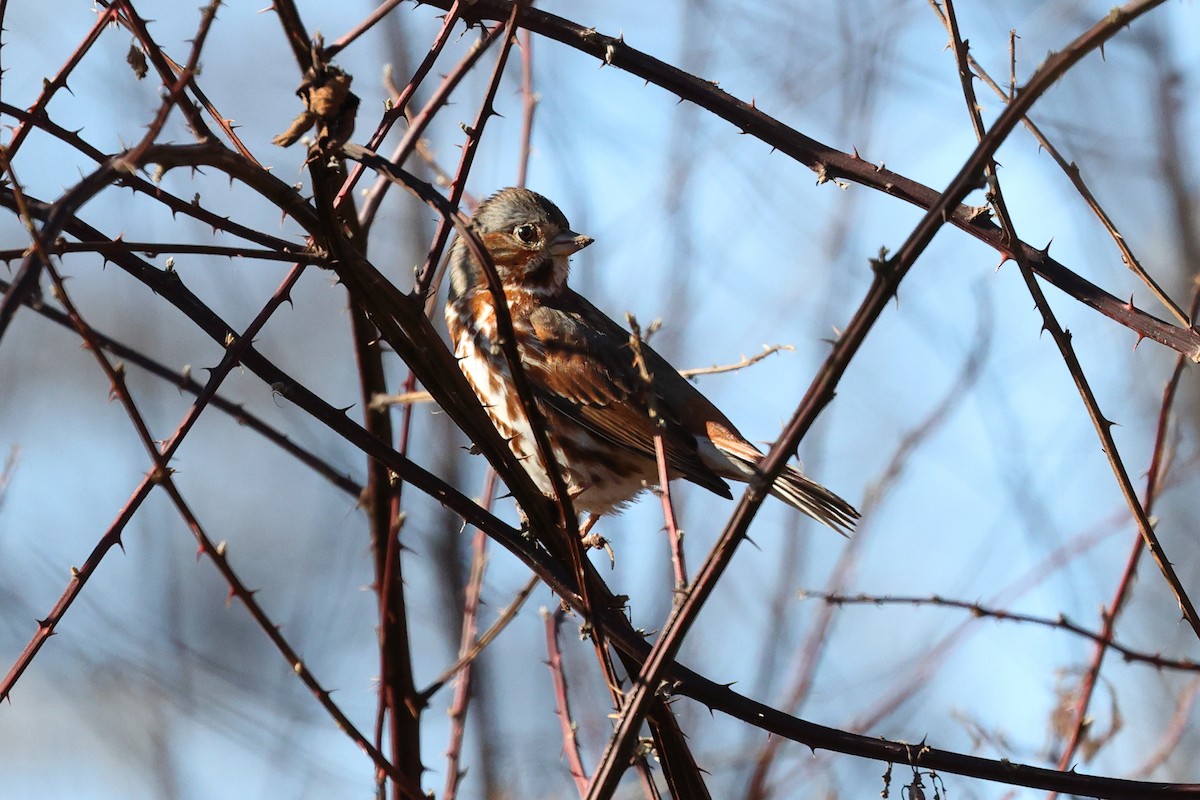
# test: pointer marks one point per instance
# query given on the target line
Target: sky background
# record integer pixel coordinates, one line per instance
(154, 687)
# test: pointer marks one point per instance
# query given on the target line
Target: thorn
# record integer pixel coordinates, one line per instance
(881, 264)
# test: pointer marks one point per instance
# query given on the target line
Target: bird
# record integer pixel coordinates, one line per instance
(595, 402)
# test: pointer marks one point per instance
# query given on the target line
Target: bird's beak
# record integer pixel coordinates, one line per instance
(569, 242)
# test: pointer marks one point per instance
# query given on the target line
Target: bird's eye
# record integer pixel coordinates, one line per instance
(526, 233)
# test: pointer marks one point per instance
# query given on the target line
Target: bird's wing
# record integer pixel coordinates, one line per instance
(580, 363)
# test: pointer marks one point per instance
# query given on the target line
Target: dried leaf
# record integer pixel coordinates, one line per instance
(137, 59)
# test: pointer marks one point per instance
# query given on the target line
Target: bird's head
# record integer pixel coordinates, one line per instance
(528, 238)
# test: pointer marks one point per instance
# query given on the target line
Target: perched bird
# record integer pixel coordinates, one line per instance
(580, 366)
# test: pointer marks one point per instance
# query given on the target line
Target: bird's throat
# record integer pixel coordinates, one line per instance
(547, 277)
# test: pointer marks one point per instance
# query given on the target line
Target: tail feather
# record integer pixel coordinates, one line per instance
(792, 487)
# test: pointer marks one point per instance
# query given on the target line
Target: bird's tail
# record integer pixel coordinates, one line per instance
(793, 488)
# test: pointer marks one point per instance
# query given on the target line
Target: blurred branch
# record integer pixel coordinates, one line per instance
(463, 683)
(6, 471)
(417, 123)
(331, 109)
(529, 102)
(458, 185)
(816, 642)
(479, 645)
(1179, 724)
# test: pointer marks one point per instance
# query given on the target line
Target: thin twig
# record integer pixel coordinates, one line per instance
(980, 610)
(474, 133)
(174, 83)
(745, 361)
(1102, 425)
(419, 396)
(562, 702)
(358, 30)
(399, 109)
(26, 280)
(177, 205)
(674, 534)
(419, 122)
